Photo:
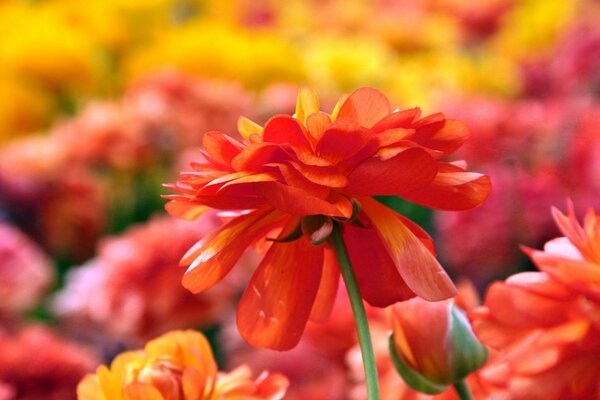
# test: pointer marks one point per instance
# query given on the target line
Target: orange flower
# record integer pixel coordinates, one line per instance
(433, 344)
(548, 323)
(293, 177)
(176, 366)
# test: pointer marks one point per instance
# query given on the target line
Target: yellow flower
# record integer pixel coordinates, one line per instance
(178, 365)
(217, 50)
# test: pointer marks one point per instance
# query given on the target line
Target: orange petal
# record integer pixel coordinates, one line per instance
(90, 389)
(276, 304)
(214, 256)
(185, 209)
(284, 129)
(141, 391)
(328, 288)
(380, 283)
(306, 104)
(453, 189)
(446, 136)
(295, 201)
(220, 147)
(412, 168)
(316, 124)
(398, 119)
(271, 386)
(255, 156)
(416, 265)
(365, 106)
(342, 140)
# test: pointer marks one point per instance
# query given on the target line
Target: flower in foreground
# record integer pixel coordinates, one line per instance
(432, 344)
(176, 366)
(547, 323)
(296, 178)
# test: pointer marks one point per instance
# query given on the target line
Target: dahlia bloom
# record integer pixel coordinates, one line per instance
(176, 366)
(547, 323)
(37, 364)
(292, 180)
(25, 272)
(131, 289)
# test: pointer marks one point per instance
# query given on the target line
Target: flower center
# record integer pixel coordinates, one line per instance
(165, 376)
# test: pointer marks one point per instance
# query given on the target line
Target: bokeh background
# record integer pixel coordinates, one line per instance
(102, 101)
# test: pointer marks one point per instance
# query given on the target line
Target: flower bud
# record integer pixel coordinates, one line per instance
(432, 344)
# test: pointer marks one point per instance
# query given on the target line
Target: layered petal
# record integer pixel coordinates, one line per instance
(452, 189)
(213, 257)
(378, 278)
(275, 306)
(417, 266)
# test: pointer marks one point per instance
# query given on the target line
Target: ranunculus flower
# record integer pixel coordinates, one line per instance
(547, 324)
(25, 272)
(37, 364)
(177, 366)
(131, 289)
(433, 345)
(292, 180)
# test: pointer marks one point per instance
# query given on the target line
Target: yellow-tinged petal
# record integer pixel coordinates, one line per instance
(416, 264)
(90, 389)
(307, 104)
(246, 128)
(142, 391)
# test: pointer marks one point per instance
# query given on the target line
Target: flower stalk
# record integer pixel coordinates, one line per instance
(360, 316)
(462, 389)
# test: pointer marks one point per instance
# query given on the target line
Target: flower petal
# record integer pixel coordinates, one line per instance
(284, 129)
(220, 147)
(275, 306)
(378, 279)
(416, 265)
(365, 106)
(410, 169)
(341, 140)
(306, 104)
(214, 256)
(453, 189)
(328, 288)
(295, 201)
(141, 391)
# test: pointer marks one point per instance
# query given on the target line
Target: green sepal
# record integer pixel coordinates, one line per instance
(411, 377)
(468, 354)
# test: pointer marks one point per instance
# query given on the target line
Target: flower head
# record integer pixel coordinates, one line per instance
(433, 345)
(176, 366)
(547, 323)
(292, 180)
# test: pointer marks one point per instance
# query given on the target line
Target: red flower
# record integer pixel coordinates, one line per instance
(292, 178)
(547, 324)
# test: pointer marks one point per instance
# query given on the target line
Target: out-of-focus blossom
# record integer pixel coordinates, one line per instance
(294, 177)
(25, 272)
(24, 107)
(36, 364)
(177, 366)
(158, 118)
(34, 46)
(530, 28)
(132, 289)
(60, 205)
(547, 323)
(197, 48)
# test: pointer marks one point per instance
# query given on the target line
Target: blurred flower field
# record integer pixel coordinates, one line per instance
(104, 102)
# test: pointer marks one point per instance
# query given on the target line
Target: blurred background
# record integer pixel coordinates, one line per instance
(102, 101)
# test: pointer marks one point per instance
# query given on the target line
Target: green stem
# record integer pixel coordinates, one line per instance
(463, 390)
(360, 316)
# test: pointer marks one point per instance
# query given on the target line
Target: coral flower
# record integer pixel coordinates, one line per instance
(292, 180)
(176, 366)
(547, 324)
